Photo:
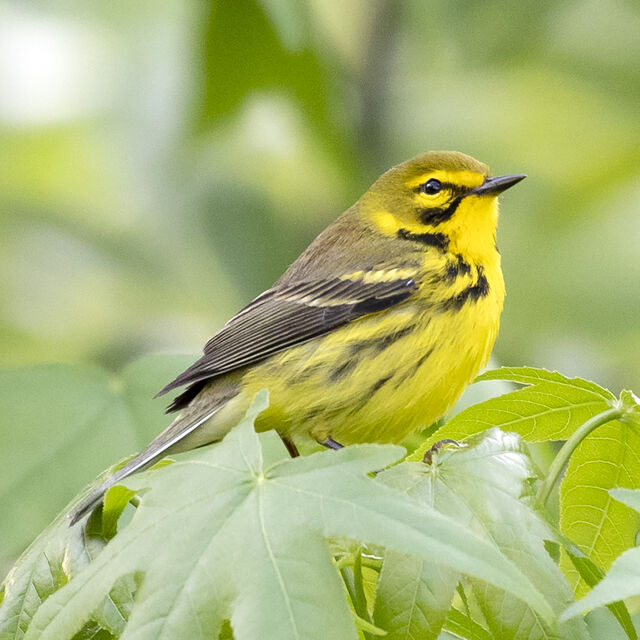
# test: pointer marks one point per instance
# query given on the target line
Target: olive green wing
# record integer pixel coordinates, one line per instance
(289, 314)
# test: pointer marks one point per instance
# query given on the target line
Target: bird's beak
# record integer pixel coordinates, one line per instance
(496, 185)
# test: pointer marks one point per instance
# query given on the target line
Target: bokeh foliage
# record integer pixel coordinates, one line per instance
(164, 161)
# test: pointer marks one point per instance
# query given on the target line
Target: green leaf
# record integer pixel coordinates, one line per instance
(462, 626)
(602, 624)
(236, 530)
(115, 501)
(592, 574)
(93, 631)
(623, 579)
(550, 407)
(413, 597)
(631, 403)
(368, 627)
(628, 497)
(599, 525)
(95, 418)
(55, 557)
(36, 576)
(487, 485)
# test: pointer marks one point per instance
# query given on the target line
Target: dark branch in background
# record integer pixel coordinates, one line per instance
(374, 85)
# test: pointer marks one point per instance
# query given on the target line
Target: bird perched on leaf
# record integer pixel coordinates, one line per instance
(374, 331)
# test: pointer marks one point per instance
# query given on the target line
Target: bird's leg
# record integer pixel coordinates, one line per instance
(291, 446)
(428, 456)
(330, 443)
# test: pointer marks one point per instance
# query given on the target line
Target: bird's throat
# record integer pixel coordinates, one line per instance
(473, 234)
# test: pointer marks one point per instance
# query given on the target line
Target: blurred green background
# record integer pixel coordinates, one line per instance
(162, 162)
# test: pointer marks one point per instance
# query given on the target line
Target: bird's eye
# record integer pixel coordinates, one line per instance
(431, 187)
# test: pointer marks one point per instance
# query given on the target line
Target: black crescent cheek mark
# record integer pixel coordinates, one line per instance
(434, 217)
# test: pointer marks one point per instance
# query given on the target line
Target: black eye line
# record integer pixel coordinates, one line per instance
(434, 216)
(455, 189)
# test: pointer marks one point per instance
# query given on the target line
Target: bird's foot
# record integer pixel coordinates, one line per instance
(428, 456)
(330, 443)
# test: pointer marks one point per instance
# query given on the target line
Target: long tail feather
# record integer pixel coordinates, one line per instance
(156, 449)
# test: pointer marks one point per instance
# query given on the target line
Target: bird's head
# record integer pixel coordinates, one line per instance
(446, 198)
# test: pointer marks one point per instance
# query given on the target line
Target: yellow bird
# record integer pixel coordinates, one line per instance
(374, 331)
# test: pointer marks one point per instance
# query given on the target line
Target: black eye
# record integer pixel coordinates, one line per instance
(431, 187)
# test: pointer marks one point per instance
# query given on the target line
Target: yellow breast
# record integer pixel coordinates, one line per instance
(385, 375)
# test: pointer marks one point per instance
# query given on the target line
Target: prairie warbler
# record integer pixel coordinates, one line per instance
(375, 330)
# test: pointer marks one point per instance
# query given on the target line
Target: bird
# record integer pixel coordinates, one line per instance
(372, 332)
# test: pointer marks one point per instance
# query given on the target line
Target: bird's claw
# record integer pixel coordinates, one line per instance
(428, 456)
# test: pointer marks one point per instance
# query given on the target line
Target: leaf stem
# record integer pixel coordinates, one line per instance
(352, 577)
(368, 561)
(347, 576)
(567, 449)
(361, 599)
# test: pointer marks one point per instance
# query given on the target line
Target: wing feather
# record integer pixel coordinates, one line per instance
(287, 315)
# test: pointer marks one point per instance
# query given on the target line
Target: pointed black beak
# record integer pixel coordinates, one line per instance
(497, 185)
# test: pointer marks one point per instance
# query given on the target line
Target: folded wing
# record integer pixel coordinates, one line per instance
(290, 314)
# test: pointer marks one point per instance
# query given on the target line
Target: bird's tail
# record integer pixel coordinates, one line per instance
(157, 448)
